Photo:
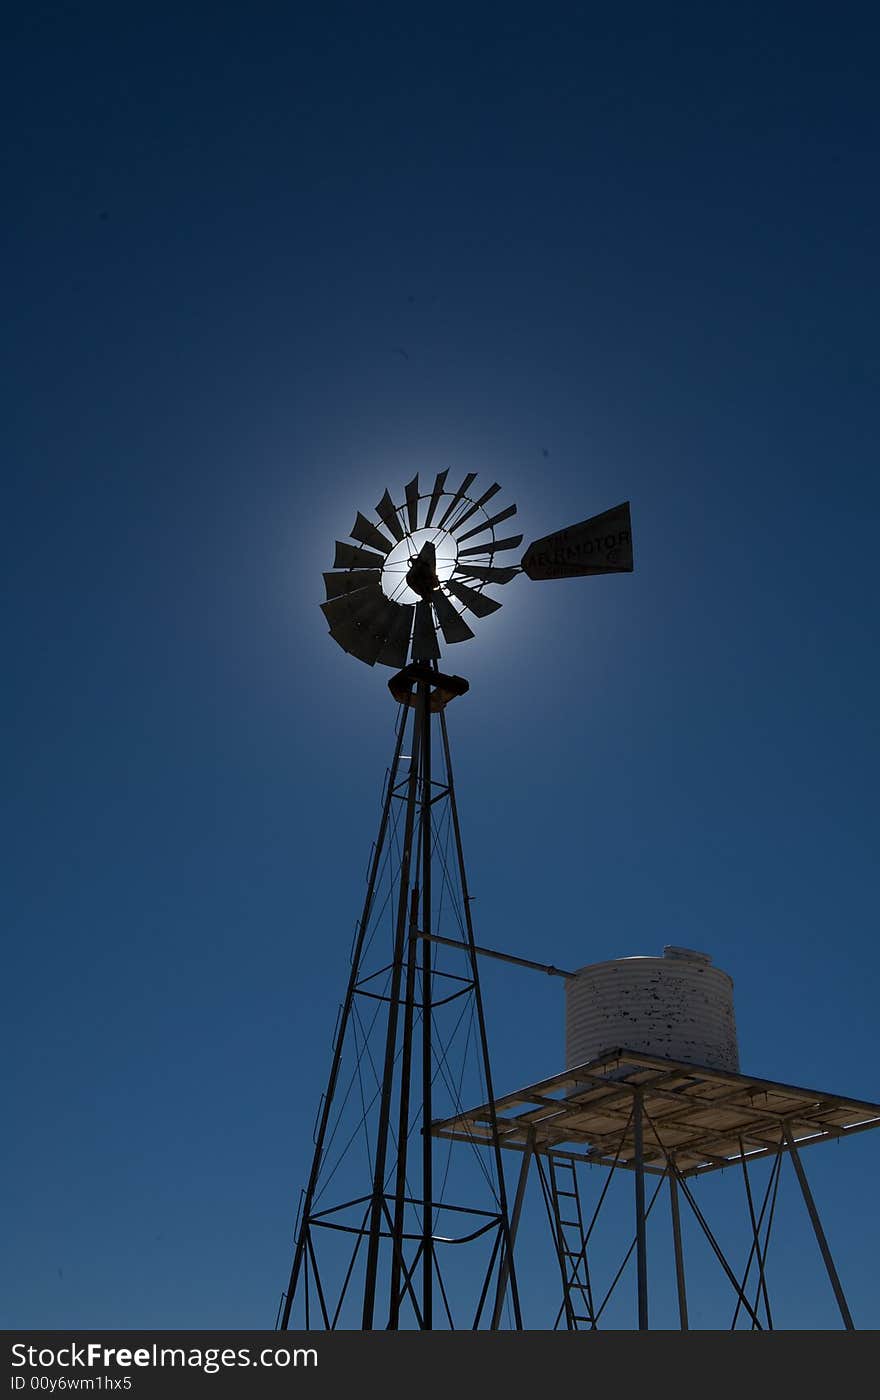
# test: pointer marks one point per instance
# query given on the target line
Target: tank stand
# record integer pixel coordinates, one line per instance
(665, 1122)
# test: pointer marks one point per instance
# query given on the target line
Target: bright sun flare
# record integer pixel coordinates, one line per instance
(397, 563)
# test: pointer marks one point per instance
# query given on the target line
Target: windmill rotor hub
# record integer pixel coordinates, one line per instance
(422, 574)
(397, 585)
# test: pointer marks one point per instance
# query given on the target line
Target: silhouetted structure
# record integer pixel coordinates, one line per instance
(380, 1217)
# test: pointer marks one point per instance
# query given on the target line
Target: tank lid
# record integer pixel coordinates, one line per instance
(686, 954)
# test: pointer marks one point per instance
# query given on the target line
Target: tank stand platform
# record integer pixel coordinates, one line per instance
(670, 1120)
(704, 1119)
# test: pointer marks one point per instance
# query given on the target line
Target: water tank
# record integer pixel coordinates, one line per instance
(679, 1007)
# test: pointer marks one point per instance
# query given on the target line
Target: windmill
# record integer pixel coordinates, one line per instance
(381, 1235)
(390, 592)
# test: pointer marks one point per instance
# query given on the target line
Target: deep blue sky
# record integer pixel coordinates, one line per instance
(643, 240)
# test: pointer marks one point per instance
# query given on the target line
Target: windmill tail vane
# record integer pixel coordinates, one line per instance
(430, 560)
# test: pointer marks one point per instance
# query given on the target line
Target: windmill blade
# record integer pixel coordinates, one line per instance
(373, 610)
(487, 524)
(388, 515)
(366, 532)
(412, 503)
(424, 642)
(338, 611)
(359, 606)
(396, 649)
(472, 510)
(357, 641)
(455, 629)
(600, 545)
(459, 495)
(491, 546)
(348, 557)
(364, 622)
(478, 603)
(337, 584)
(486, 573)
(439, 483)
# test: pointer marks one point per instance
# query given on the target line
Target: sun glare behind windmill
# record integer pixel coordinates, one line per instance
(403, 556)
(427, 563)
(431, 560)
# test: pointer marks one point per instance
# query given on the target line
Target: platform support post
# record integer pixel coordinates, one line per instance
(641, 1245)
(679, 1256)
(514, 1226)
(819, 1232)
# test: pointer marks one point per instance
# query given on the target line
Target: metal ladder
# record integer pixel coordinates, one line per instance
(570, 1244)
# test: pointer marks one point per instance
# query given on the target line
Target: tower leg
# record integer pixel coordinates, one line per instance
(427, 1051)
(397, 1230)
(378, 1209)
(299, 1254)
(507, 1248)
(819, 1232)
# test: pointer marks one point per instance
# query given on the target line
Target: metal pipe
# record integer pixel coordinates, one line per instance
(819, 1232)
(502, 957)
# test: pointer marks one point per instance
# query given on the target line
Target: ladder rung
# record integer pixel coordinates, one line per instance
(575, 1224)
(572, 1194)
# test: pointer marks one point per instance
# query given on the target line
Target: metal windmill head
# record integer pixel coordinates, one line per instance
(430, 560)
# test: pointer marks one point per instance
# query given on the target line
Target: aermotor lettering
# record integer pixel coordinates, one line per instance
(562, 553)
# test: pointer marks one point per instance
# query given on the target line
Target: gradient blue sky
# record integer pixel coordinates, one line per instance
(643, 240)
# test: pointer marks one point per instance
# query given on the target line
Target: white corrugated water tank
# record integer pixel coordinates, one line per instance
(679, 1007)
